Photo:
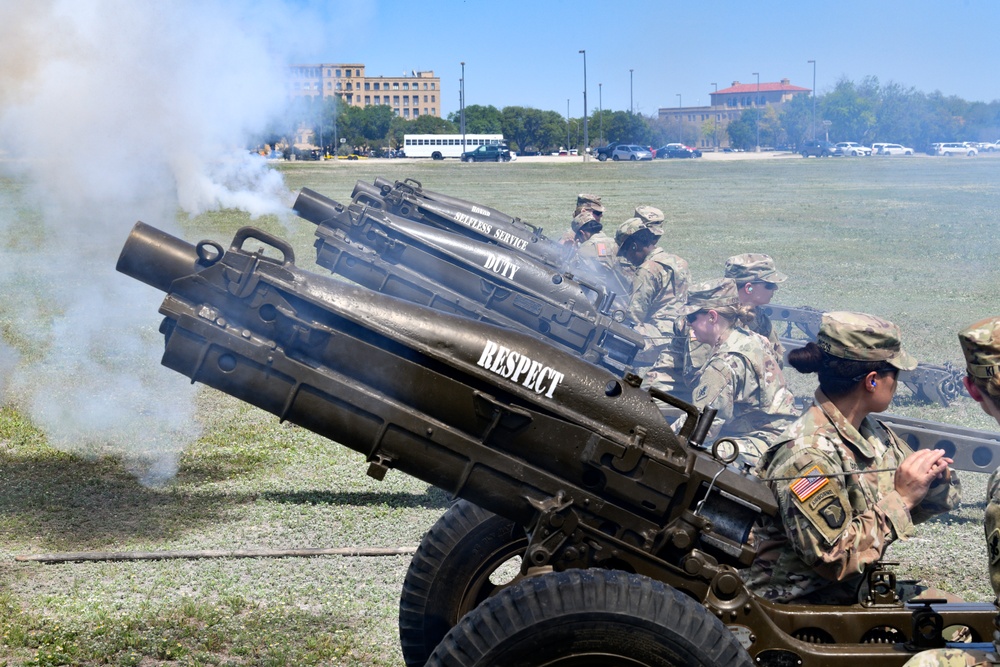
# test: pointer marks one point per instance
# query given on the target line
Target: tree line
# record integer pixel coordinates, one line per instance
(864, 111)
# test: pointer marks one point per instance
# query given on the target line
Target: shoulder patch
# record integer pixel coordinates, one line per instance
(993, 546)
(811, 482)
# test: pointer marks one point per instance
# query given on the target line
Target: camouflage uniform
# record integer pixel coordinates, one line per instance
(830, 528)
(651, 216)
(584, 202)
(741, 379)
(981, 346)
(659, 293)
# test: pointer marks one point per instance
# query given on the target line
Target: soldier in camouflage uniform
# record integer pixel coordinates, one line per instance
(981, 346)
(741, 379)
(650, 215)
(591, 241)
(659, 294)
(584, 202)
(846, 485)
(757, 280)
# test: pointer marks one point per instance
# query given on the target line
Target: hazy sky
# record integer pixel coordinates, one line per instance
(527, 53)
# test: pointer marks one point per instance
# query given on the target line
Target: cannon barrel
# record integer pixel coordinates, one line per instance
(156, 258)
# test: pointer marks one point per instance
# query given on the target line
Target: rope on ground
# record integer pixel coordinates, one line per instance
(83, 556)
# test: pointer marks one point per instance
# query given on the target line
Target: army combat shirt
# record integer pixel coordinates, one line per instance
(659, 290)
(830, 529)
(743, 381)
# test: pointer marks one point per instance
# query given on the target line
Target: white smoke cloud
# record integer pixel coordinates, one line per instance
(113, 111)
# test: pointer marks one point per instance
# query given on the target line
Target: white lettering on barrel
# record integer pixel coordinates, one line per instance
(512, 365)
(499, 265)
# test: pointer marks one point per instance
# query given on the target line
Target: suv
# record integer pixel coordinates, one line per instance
(818, 149)
(955, 149)
(852, 148)
(629, 152)
(487, 153)
(676, 150)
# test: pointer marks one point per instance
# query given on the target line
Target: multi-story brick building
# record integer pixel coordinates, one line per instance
(727, 105)
(410, 96)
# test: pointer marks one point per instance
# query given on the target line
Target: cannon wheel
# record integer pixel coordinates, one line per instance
(586, 618)
(451, 573)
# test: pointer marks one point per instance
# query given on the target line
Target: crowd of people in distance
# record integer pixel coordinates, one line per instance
(847, 486)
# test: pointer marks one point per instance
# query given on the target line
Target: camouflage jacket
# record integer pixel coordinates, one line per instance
(600, 248)
(742, 380)
(697, 354)
(762, 324)
(659, 290)
(829, 529)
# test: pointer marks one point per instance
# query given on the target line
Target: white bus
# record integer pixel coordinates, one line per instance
(440, 146)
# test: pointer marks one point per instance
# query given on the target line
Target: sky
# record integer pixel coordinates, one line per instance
(527, 53)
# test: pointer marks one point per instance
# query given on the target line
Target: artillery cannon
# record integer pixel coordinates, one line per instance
(631, 536)
(469, 277)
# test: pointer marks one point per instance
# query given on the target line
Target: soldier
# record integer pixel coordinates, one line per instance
(741, 379)
(757, 280)
(847, 486)
(651, 216)
(659, 293)
(584, 202)
(981, 346)
(591, 241)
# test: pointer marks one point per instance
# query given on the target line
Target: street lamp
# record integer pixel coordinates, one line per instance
(680, 132)
(461, 99)
(814, 98)
(567, 126)
(756, 101)
(600, 109)
(586, 137)
(715, 130)
(631, 104)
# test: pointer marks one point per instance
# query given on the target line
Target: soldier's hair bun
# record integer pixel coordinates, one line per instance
(807, 359)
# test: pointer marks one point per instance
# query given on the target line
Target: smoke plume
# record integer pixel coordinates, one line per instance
(113, 111)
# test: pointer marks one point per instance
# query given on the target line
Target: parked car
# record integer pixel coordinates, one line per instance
(604, 152)
(487, 153)
(817, 149)
(852, 148)
(676, 150)
(630, 152)
(956, 149)
(893, 149)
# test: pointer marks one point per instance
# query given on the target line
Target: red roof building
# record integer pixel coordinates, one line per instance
(741, 95)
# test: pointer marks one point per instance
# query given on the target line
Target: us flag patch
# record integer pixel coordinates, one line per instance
(602, 249)
(808, 484)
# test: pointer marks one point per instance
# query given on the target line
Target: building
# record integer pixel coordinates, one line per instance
(410, 96)
(726, 105)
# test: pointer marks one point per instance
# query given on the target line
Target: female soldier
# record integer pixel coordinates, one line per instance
(847, 486)
(981, 346)
(741, 378)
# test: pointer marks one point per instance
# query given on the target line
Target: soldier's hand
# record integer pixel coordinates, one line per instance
(917, 472)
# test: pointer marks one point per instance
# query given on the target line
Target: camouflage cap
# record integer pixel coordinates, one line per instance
(753, 266)
(589, 206)
(584, 198)
(649, 214)
(586, 219)
(981, 347)
(718, 293)
(861, 337)
(633, 226)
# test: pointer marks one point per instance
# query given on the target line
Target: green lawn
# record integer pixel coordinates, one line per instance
(913, 240)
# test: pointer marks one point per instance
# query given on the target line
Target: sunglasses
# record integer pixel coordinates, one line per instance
(692, 317)
(767, 286)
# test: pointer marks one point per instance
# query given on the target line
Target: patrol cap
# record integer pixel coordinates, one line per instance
(714, 294)
(753, 266)
(585, 198)
(649, 214)
(586, 220)
(633, 226)
(981, 347)
(861, 337)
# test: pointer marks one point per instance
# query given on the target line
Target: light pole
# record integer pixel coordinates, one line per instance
(680, 132)
(586, 137)
(567, 126)
(600, 109)
(814, 98)
(461, 96)
(715, 130)
(631, 104)
(756, 102)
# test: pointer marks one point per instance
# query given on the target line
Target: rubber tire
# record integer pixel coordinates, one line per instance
(602, 157)
(499, 157)
(586, 618)
(449, 575)
(614, 158)
(632, 158)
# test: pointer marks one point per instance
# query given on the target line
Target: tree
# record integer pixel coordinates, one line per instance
(479, 119)
(428, 124)
(851, 110)
(743, 131)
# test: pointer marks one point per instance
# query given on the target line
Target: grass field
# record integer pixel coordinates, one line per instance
(913, 240)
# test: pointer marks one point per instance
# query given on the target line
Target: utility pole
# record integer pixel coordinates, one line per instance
(756, 103)
(567, 126)
(715, 114)
(631, 103)
(586, 137)
(814, 98)
(680, 131)
(600, 109)
(461, 99)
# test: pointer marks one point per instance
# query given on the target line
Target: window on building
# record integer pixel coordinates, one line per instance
(432, 86)
(425, 86)
(378, 99)
(395, 85)
(357, 72)
(406, 86)
(406, 113)
(339, 85)
(328, 72)
(433, 98)
(349, 85)
(368, 100)
(425, 101)
(406, 100)
(376, 86)
(338, 73)
(395, 100)
(368, 86)
(416, 112)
